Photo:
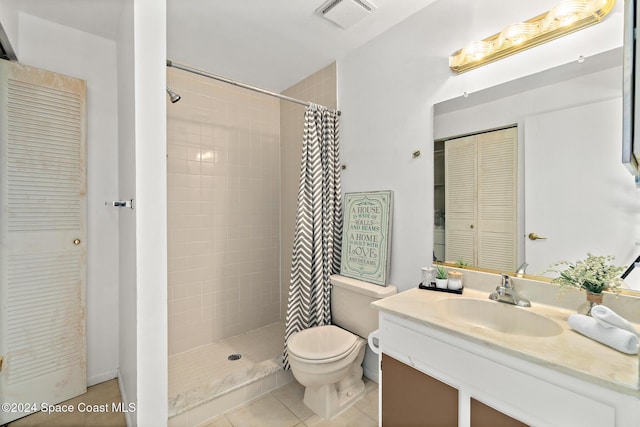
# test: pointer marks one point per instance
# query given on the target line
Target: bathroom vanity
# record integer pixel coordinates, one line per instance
(482, 362)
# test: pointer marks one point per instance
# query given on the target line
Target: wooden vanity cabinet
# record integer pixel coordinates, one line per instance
(486, 416)
(443, 371)
(413, 398)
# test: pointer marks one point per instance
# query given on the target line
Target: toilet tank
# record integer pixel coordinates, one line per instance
(351, 304)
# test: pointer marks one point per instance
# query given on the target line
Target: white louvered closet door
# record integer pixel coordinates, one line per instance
(497, 199)
(461, 174)
(42, 237)
(481, 199)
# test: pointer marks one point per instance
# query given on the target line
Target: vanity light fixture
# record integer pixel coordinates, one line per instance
(564, 18)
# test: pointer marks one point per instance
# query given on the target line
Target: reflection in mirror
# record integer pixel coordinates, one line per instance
(480, 176)
(573, 195)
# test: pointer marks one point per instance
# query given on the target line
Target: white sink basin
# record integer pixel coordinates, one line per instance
(498, 316)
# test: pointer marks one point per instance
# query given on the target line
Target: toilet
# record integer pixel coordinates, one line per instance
(327, 360)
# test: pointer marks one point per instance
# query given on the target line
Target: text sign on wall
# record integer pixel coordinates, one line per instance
(366, 240)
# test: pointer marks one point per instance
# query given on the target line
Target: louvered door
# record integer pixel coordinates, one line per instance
(42, 237)
(461, 199)
(497, 199)
(481, 199)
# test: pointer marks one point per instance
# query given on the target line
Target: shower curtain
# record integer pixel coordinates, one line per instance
(318, 230)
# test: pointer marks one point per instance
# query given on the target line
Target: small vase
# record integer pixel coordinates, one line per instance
(593, 299)
(441, 283)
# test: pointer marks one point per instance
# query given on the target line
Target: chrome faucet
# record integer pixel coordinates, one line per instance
(522, 270)
(507, 293)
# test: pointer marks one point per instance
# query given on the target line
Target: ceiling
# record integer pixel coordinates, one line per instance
(99, 17)
(272, 44)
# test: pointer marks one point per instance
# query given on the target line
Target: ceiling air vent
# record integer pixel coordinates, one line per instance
(345, 13)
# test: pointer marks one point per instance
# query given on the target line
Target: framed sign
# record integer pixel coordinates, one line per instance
(366, 240)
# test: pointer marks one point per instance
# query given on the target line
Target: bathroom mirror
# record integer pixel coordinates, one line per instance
(573, 192)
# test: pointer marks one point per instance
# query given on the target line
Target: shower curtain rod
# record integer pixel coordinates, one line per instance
(203, 73)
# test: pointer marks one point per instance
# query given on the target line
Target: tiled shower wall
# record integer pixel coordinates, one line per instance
(223, 210)
(320, 88)
(233, 172)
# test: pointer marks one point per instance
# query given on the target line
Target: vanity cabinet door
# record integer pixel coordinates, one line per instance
(485, 416)
(412, 398)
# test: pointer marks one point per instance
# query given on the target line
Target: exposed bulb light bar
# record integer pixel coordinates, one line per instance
(564, 18)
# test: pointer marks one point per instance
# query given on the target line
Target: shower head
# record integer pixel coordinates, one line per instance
(174, 97)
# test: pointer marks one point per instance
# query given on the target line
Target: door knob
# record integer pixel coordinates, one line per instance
(76, 242)
(534, 236)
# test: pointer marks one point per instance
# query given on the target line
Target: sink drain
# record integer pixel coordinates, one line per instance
(234, 356)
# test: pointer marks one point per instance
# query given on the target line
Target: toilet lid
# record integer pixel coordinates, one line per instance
(321, 342)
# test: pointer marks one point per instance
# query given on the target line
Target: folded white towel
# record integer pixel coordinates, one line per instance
(617, 338)
(608, 318)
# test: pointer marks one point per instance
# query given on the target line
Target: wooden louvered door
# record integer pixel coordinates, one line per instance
(42, 238)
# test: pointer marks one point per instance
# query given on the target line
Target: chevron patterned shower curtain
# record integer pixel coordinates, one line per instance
(318, 232)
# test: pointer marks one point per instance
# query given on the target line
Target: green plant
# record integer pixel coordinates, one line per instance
(441, 272)
(594, 274)
(462, 263)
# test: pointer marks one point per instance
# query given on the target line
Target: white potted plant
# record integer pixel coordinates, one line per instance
(594, 274)
(441, 277)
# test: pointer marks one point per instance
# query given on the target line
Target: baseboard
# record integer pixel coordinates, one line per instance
(131, 422)
(371, 374)
(371, 365)
(100, 378)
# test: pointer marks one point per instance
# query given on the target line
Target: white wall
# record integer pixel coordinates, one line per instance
(386, 92)
(143, 240)
(68, 51)
(127, 231)
(149, 34)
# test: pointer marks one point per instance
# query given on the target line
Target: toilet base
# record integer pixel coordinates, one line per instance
(330, 400)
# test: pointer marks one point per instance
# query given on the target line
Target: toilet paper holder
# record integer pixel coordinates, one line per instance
(374, 341)
(120, 203)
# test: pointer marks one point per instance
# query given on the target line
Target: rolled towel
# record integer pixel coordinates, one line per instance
(610, 318)
(614, 337)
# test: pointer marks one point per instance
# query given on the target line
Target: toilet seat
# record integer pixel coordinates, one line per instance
(322, 344)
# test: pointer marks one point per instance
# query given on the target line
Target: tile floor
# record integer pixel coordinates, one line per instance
(99, 394)
(283, 407)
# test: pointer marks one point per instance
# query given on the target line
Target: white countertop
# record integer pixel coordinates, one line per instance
(568, 352)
